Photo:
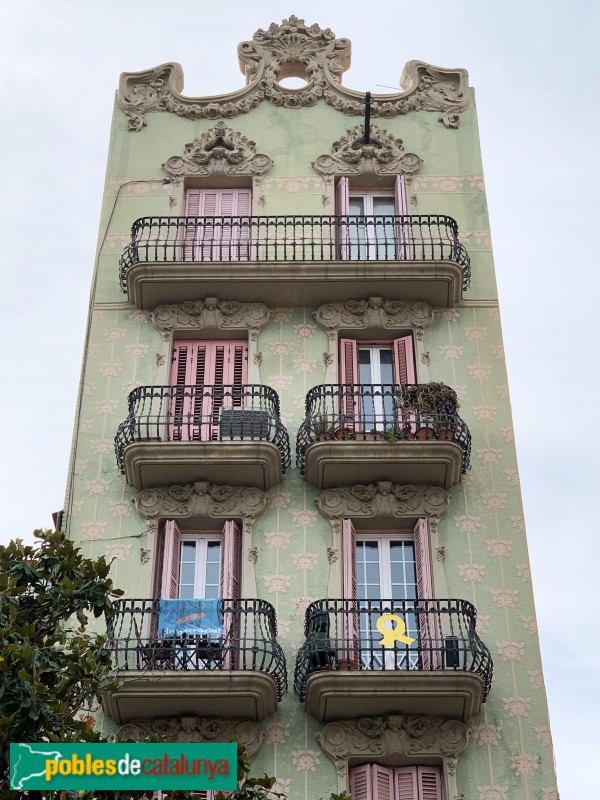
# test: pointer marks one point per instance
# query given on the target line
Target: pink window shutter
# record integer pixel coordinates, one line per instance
(182, 408)
(407, 786)
(426, 620)
(193, 228)
(349, 377)
(243, 231)
(430, 783)
(361, 783)
(404, 372)
(383, 783)
(231, 585)
(169, 579)
(350, 648)
(402, 211)
(342, 210)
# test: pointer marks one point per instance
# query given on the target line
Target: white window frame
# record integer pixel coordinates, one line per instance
(201, 559)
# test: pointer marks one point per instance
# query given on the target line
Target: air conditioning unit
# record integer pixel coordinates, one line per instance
(246, 423)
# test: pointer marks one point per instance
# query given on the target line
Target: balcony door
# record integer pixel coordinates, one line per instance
(217, 224)
(387, 567)
(368, 372)
(368, 228)
(206, 376)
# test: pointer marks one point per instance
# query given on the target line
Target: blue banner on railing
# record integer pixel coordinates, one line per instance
(199, 617)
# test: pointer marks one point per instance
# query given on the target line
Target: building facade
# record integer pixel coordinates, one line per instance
(294, 349)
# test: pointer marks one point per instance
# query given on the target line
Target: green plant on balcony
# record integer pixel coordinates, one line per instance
(322, 428)
(429, 398)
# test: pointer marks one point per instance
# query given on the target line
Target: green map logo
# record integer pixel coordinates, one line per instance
(123, 766)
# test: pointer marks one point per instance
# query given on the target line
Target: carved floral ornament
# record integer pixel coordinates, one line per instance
(376, 312)
(202, 500)
(212, 313)
(383, 499)
(384, 155)
(394, 735)
(219, 151)
(195, 729)
(294, 49)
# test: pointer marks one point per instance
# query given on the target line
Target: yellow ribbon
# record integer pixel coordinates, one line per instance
(397, 634)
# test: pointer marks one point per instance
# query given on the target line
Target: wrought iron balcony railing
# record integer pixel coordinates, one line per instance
(203, 413)
(295, 238)
(346, 635)
(248, 641)
(384, 412)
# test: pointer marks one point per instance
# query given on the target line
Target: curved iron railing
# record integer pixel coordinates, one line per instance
(424, 237)
(343, 634)
(202, 413)
(379, 412)
(248, 641)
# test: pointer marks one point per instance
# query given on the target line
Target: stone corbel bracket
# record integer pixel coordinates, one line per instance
(294, 49)
(195, 729)
(225, 315)
(202, 500)
(375, 738)
(375, 312)
(383, 499)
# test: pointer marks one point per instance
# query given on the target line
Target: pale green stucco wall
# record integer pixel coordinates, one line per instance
(509, 756)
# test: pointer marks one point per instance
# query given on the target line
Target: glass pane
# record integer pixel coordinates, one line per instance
(384, 205)
(188, 551)
(187, 573)
(185, 592)
(356, 205)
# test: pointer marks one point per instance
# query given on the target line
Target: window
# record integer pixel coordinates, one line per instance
(379, 568)
(207, 377)
(375, 782)
(221, 228)
(369, 228)
(369, 372)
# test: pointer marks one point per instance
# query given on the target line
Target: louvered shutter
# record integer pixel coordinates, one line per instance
(169, 565)
(193, 232)
(407, 787)
(383, 783)
(361, 783)
(430, 783)
(243, 213)
(350, 648)
(231, 584)
(404, 249)
(342, 210)
(428, 638)
(349, 380)
(404, 372)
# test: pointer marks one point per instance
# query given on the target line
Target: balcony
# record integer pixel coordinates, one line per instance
(221, 434)
(382, 432)
(239, 674)
(294, 260)
(344, 672)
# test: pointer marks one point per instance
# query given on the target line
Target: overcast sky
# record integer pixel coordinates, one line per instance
(534, 65)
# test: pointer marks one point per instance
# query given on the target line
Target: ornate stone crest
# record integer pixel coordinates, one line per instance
(195, 729)
(379, 737)
(219, 151)
(384, 499)
(212, 313)
(202, 499)
(294, 48)
(384, 155)
(376, 312)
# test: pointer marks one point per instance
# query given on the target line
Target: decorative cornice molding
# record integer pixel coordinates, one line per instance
(212, 313)
(384, 499)
(219, 151)
(195, 729)
(384, 155)
(294, 49)
(379, 737)
(203, 500)
(375, 312)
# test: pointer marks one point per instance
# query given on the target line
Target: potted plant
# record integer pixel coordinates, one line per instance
(322, 429)
(429, 402)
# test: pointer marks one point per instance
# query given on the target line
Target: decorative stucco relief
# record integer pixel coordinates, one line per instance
(195, 729)
(384, 155)
(212, 313)
(294, 49)
(376, 312)
(219, 151)
(379, 737)
(203, 500)
(384, 499)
